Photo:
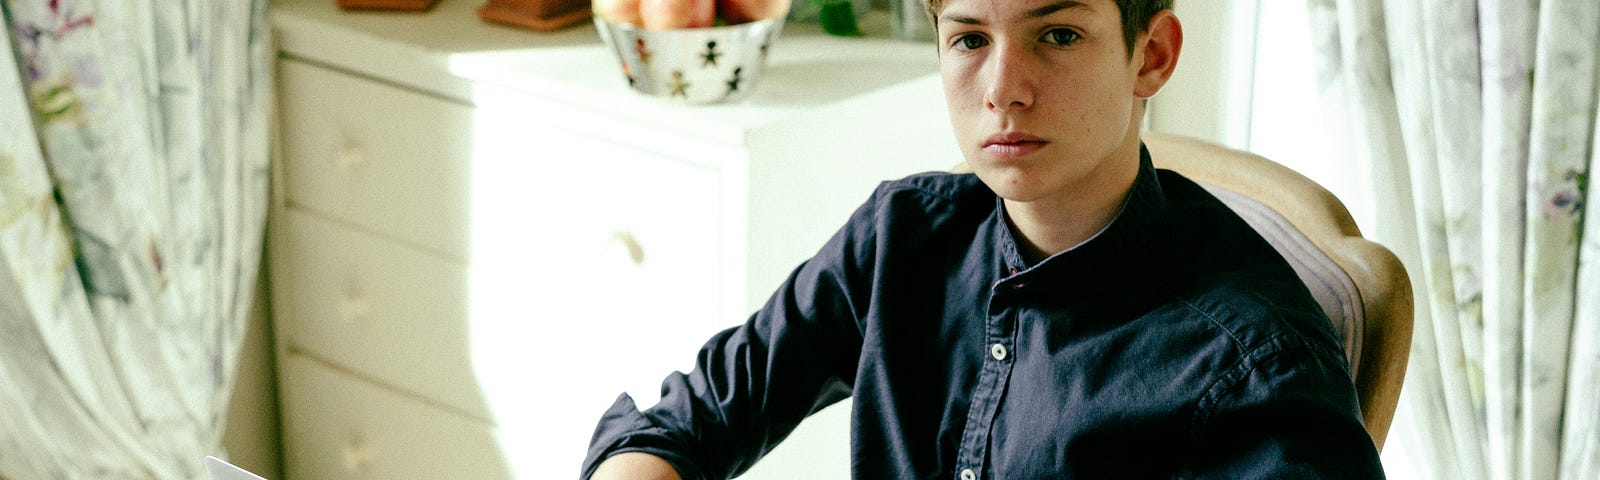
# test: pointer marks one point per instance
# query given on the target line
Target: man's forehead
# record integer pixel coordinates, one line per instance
(968, 11)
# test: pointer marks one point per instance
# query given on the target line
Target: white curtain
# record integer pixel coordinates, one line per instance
(133, 177)
(1475, 123)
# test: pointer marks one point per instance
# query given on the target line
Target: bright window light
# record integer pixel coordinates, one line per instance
(1286, 111)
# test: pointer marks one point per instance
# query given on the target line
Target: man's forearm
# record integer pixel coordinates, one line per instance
(635, 466)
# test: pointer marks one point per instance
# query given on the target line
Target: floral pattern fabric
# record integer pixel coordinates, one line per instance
(1477, 123)
(133, 177)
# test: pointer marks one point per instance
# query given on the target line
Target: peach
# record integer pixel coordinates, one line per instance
(618, 11)
(667, 14)
(741, 11)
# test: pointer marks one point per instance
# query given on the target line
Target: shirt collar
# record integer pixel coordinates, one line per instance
(1117, 250)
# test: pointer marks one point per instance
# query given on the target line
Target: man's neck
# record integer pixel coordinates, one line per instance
(1060, 222)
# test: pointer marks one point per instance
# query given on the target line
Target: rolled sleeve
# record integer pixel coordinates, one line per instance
(754, 383)
(623, 429)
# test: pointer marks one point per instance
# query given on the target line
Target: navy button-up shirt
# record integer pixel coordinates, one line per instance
(1175, 344)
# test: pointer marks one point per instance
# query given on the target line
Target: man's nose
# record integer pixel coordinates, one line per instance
(1010, 79)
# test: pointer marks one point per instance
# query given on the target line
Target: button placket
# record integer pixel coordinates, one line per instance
(992, 382)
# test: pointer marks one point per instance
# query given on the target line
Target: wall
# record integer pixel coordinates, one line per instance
(1208, 96)
(252, 438)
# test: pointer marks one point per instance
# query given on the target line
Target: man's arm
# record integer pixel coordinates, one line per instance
(635, 466)
(752, 384)
(1284, 413)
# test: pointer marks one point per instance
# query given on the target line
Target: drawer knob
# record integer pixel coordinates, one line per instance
(635, 250)
(357, 456)
(350, 157)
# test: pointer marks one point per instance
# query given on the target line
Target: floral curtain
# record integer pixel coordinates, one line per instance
(1476, 123)
(133, 177)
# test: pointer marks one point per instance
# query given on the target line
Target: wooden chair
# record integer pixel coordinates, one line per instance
(1361, 285)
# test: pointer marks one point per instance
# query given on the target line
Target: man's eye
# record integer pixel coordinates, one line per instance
(1061, 36)
(971, 42)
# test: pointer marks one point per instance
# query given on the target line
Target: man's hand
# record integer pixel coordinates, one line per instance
(635, 466)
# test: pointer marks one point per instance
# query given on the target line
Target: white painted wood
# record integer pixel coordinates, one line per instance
(387, 312)
(387, 160)
(407, 48)
(343, 427)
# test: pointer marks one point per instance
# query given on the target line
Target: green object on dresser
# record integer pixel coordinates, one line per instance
(838, 17)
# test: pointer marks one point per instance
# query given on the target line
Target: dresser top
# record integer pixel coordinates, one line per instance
(448, 51)
(408, 48)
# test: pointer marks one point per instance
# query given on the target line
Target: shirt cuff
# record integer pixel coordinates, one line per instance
(625, 429)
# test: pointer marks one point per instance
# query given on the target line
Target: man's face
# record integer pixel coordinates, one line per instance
(1041, 92)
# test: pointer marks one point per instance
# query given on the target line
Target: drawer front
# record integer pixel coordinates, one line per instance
(393, 161)
(562, 310)
(389, 312)
(337, 426)
(601, 263)
(609, 268)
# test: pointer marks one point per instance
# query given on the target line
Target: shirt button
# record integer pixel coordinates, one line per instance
(999, 351)
(968, 475)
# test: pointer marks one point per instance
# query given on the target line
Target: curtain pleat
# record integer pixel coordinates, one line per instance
(1507, 106)
(131, 226)
(1580, 438)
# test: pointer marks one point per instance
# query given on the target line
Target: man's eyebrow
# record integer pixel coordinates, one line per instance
(1058, 6)
(1035, 13)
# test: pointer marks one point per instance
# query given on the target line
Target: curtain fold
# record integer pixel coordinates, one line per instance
(133, 177)
(1476, 123)
(1507, 101)
(1580, 439)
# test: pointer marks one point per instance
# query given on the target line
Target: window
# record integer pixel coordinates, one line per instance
(1287, 120)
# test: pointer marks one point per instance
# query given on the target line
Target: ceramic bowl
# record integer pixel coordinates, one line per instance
(692, 65)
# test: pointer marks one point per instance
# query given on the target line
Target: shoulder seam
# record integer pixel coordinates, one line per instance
(1250, 358)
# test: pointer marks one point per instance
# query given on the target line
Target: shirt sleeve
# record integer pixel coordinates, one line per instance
(1283, 413)
(754, 383)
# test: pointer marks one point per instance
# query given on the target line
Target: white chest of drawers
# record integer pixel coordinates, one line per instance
(479, 237)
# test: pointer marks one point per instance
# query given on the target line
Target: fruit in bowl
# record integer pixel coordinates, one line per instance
(671, 14)
(618, 11)
(743, 11)
(695, 51)
(666, 14)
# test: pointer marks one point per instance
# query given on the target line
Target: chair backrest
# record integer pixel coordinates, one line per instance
(1361, 285)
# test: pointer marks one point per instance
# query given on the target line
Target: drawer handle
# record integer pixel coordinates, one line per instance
(350, 157)
(357, 456)
(352, 310)
(635, 250)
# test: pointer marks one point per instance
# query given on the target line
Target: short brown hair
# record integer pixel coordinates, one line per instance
(1136, 16)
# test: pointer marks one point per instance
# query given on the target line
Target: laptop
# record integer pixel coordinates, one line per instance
(219, 469)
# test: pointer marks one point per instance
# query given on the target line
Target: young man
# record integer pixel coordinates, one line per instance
(1067, 312)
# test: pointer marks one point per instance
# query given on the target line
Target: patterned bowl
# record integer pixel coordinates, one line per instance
(693, 65)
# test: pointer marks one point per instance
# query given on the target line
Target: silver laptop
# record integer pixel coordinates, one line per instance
(222, 470)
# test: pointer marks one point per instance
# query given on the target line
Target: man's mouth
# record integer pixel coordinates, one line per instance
(1013, 144)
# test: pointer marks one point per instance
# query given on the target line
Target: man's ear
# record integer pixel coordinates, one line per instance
(1161, 44)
